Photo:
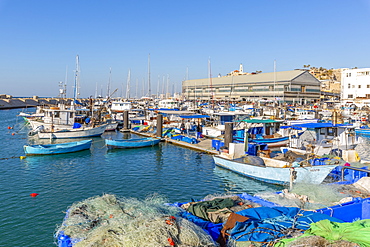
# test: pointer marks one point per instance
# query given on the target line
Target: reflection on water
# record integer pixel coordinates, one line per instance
(60, 180)
(234, 182)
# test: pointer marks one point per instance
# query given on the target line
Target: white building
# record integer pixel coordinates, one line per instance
(355, 84)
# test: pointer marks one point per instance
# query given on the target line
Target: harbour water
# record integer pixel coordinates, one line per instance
(177, 173)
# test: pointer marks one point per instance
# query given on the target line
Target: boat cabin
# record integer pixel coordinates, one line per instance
(120, 106)
(168, 104)
(326, 138)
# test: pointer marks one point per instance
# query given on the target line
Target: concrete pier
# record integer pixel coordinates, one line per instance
(204, 145)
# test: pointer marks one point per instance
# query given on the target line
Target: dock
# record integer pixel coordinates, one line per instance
(205, 145)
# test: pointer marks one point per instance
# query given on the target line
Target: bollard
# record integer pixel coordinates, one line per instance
(125, 122)
(159, 125)
(228, 134)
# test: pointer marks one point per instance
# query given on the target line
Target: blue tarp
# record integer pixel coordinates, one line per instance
(290, 127)
(319, 125)
(267, 224)
(78, 102)
(194, 116)
(77, 125)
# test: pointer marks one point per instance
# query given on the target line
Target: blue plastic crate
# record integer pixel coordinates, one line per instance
(358, 209)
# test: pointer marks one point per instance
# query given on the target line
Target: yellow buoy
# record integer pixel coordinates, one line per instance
(22, 157)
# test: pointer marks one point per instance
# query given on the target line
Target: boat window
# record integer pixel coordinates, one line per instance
(332, 131)
(56, 114)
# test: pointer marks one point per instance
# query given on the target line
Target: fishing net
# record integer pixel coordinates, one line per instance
(308, 196)
(109, 221)
(318, 241)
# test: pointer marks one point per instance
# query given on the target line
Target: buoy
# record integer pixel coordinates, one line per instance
(9, 128)
(22, 157)
(13, 134)
(34, 194)
(171, 242)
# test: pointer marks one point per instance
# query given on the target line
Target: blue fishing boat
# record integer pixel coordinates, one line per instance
(60, 148)
(265, 131)
(132, 143)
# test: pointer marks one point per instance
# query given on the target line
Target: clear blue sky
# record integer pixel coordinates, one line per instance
(39, 40)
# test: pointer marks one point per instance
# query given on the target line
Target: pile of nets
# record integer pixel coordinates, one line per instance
(217, 208)
(309, 196)
(111, 221)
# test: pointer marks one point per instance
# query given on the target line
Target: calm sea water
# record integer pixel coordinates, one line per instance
(177, 173)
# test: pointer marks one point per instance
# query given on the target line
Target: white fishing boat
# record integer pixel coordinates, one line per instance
(326, 138)
(72, 133)
(271, 170)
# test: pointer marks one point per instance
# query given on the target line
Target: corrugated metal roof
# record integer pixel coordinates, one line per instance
(282, 76)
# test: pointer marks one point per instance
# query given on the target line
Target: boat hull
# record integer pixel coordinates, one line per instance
(60, 148)
(73, 133)
(276, 175)
(132, 143)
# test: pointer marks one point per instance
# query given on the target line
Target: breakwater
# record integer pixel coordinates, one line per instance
(12, 103)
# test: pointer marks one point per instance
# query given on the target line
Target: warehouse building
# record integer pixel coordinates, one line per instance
(295, 86)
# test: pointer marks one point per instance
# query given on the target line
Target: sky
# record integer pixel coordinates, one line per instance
(40, 39)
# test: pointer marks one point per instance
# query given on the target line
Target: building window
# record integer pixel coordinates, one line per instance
(353, 86)
(349, 85)
(359, 86)
(303, 89)
(368, 86)
(350, 96)
(348, 75)
(271, 88)
(286, 88)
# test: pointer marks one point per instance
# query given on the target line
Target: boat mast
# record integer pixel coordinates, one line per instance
(77, 82)
(274, 83)
(210, 82)
(149, 89)
(158, 84)
(108, 87)
(128, 84)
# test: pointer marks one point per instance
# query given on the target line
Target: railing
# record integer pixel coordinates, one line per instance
(352, 168)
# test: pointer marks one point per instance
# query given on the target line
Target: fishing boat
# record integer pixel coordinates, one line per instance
(271, 170)
(72, 133)
(132, 143)
(60, 148)
(264, 131)
(325, 139)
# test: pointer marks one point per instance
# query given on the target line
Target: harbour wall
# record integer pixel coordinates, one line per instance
(10, 103)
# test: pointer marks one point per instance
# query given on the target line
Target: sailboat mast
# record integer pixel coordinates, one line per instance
(108, 87)
(76, 86)
(149, 89)
(128, 84)
(274, 82)
(210, 81)
(158, 86)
